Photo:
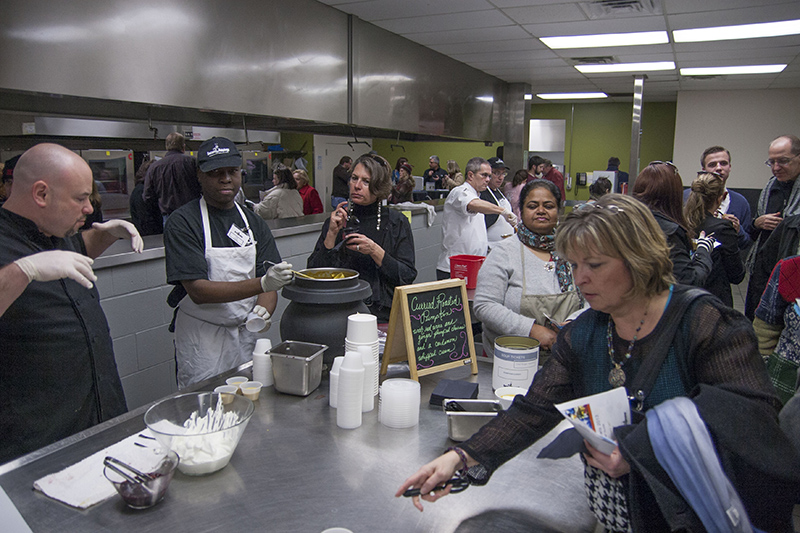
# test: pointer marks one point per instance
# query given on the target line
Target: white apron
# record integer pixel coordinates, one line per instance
(495, 232)
(211, 338)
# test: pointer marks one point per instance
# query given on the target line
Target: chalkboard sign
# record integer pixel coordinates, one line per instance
(430, 327)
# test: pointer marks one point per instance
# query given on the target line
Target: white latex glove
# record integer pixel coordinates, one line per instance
(258, 320)
(58, 264)
(510, 217)
(122, 229)
(276, 277)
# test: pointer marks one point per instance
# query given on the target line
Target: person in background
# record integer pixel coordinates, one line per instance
(523, 281)
(375, 241)
(312, 204)
(778, 200)
(660, 187)
(403, 190)
(435, 174)
(172, 180)
(702, 212)
(8, 178)
(396, 171)
(512, 189)
(598, 189)
(497, 228)
(552, 174)
(620, 262)
(59, 374)
(535, 167)
(622, 176)
(97, 208)
(217, 255)
(341, 181)
(283, 200)
(777, 326)
(454, 176)
(145, 215)
(463, 228)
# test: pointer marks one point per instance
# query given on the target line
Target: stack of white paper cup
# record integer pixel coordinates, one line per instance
(334, 391)
(370, 370)
(362, 331)
(349, 397)
(399, 402)
(262, 362)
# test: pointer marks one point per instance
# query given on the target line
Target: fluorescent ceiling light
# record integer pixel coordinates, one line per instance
(570, 96)
(487, 99)
(605, 40)
(626, 67)
(718, 71)
(528, 96)
(743, 31)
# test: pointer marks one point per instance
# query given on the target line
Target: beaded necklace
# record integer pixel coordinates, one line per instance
(616, 377)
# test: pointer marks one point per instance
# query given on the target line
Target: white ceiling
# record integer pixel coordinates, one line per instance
(500, 37)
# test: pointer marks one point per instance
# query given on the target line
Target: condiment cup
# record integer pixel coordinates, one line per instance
(251, 389)
(506, 395)
(236, 381)
(227, 392)
(362, 328)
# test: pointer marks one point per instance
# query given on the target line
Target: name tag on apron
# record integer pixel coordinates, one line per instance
(238, 236)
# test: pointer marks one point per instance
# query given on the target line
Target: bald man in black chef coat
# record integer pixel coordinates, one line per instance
(57, 365)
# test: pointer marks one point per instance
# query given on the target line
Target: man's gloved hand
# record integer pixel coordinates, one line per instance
(276, 277)
(510, 217)
(58, 264)
(705, 242)
(122, 229)
(258, 320)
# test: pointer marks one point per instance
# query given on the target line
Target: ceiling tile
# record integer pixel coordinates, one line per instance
(531, 46)
(475, 35)
(596, 27)
(452, 21)
(546, 14)
(756, 12)
(375, 10)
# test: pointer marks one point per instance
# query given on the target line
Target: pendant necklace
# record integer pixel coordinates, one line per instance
(616, 377)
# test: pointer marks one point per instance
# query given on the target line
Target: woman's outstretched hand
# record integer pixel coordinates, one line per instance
(429, 476)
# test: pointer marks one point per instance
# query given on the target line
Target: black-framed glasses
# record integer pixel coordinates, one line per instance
(668, 163)
(781, 161)
(715, 174)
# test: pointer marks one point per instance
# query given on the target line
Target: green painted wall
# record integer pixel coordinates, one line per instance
(604, 130)
(419, 152)
(301, 142)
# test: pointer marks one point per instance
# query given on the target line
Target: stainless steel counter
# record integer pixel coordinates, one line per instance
(295, 470)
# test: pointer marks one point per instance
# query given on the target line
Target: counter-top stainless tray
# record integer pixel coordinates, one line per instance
(466, 417)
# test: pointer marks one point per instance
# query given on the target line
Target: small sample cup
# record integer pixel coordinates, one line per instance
(236, 381)
(227, 392)
(251, 389)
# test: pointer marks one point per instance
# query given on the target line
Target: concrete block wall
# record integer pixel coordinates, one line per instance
(133, 293)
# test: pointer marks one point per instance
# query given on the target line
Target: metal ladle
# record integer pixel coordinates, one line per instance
(120, 468)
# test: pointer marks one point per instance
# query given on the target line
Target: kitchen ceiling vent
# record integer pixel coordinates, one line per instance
(592, 60)
(603, 9)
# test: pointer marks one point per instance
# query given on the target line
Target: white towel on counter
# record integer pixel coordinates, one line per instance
(83, 484)
(411, 205)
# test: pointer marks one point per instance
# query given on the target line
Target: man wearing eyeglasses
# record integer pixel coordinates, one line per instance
(497, 227)
(779, 199)
(463, 227)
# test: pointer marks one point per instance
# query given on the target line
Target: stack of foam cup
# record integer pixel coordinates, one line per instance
(349, 396)
(334, 392)
(262, 362)
(370, 369)
(362, 331)
(398, 405)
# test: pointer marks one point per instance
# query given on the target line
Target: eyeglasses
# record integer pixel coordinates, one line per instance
(668, 163)
(781, 161)
(499, 171)
(716, 174)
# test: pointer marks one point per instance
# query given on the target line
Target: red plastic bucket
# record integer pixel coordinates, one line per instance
(466, 267)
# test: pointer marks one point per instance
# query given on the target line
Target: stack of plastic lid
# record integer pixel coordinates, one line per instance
(398, 406)
(362, 331)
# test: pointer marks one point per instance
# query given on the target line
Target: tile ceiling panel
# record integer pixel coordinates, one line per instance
(500, 38)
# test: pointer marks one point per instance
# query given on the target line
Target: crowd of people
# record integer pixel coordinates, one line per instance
(623, 291)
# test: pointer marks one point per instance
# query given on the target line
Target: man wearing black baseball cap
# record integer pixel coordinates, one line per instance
(215, 254)
(497, 227)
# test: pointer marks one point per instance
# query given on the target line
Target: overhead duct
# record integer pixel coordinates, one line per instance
(605, 9)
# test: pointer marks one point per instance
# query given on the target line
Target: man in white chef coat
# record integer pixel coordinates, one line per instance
(218, 256)
(463, 226)
(497, 227)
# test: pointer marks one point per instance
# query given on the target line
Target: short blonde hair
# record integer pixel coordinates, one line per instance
(622, 227)
(302, 173)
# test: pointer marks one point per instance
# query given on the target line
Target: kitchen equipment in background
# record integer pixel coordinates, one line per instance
(112, 171)
(207, 442)
(466, 417)
(516, 360)
(297, 366)
(466, 267)
(319, 308)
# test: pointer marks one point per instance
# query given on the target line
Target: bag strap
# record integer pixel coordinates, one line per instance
(645, 378)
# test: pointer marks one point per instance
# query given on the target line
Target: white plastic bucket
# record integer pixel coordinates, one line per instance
(516, 360)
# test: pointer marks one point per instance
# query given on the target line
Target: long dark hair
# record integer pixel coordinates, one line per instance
(285, 178)
(660, 188)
